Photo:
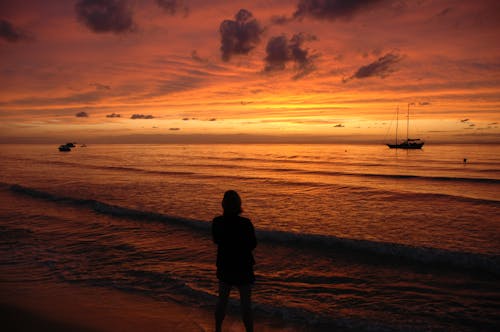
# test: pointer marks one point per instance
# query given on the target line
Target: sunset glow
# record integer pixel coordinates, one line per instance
(172, 71)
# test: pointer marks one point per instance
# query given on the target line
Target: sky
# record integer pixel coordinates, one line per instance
(249, 71)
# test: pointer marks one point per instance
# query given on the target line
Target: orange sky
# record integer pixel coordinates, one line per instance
(298, 70)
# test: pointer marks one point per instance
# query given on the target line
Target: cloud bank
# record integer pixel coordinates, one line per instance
(280, 51)
(173, 7)
(10, 33)
(103, 16)
(333, 9)
(141, 116)
(239, 36)
(383, 67)
(82, 115)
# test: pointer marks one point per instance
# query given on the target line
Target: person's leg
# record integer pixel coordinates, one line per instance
(246, 306)
(220, 310)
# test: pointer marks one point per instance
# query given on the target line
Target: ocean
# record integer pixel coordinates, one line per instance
(351, 237)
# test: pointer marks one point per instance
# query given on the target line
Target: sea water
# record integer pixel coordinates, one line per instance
(357, 237)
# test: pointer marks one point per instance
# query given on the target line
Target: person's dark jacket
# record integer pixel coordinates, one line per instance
(235, 239)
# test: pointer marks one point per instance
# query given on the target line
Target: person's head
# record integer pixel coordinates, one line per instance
(231, 203)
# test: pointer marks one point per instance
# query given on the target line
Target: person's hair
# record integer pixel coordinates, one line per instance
(231, 203)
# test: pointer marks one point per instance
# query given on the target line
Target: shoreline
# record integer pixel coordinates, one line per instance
(51, 306)
(58, 306)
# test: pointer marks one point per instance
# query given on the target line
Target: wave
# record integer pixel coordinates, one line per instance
(420, 255)
(177, 289)
(407, 176)
(432, 178)
(106, 208)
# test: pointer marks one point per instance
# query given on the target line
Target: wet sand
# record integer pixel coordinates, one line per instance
(65, 307)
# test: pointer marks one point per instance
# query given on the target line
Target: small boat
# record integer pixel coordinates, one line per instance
(64, 148)
(409, 143)
(70, 145)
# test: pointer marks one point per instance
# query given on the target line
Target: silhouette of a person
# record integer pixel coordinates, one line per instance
(235, 239)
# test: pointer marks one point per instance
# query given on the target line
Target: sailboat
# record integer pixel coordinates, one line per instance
(409, 143)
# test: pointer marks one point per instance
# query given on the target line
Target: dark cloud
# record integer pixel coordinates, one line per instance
(445, 12)
(340, 125)
(424, 103)
(176, 84)
(174, 129)
(280, 51)
(239, 36)
(212, 119)
(141, 116)
(113, 115)
(196, 57)
(468, 122)
(173, 7)
(81, 115)
(12, 34)
(100, 87)
(333, 9)
(280, 19)
(381, 68)
(105, 15)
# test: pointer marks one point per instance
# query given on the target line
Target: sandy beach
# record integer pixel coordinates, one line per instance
(62, 307)
(66, 307)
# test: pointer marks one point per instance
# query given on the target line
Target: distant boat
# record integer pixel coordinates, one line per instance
(70, 145)
(409, 143)
(64, 148)
(83, 145)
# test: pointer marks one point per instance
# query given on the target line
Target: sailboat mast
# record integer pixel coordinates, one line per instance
(408, 123)
(409, 143)
(397, 122)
